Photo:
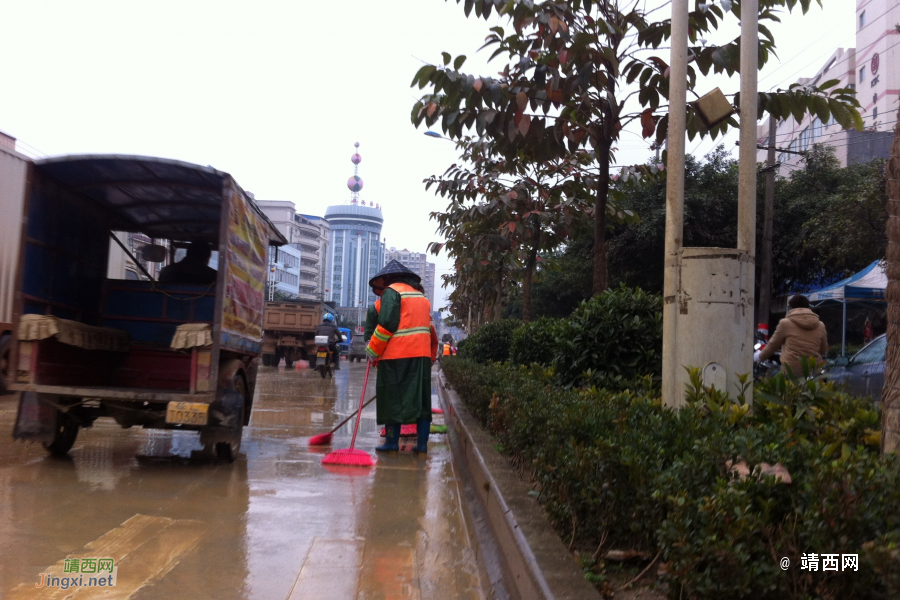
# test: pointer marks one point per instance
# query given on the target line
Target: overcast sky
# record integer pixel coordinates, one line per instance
(276, 93)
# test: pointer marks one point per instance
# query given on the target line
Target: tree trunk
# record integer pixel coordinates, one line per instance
(601, 274)
(890, 397)
(498, 303)
(529, 272)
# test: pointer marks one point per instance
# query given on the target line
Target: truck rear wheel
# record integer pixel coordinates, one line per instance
(5, 362)
(64, 433)
(233, 412)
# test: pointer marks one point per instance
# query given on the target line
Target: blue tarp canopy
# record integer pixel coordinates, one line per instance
(867, 285)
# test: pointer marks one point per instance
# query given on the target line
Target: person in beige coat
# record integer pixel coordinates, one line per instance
(800, 333)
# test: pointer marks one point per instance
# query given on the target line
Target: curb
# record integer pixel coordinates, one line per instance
(533, 562)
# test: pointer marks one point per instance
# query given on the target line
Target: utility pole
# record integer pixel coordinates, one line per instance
(765, 254)
(674, 200)
(708, 292)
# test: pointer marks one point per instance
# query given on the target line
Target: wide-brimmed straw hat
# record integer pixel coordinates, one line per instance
(392, 271)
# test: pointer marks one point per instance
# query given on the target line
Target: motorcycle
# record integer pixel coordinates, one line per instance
(766, 368)
(324, 358)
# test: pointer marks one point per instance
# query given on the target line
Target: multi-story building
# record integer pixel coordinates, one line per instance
(284, 273)
(308, 235)
(417, 263)
(7, 141)
(873, 70)
(313, 240)
(357, 252)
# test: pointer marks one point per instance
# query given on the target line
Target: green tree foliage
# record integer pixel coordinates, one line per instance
(571, 68)
(710, 220)
(562, 282)
(829, 221)
(502, 213)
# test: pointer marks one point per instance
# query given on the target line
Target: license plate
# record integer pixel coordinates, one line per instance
(187, 413)
(322, 354)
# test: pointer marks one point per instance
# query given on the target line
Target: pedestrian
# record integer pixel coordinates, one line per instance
(799, 334)
(868, 333)
(402, 346)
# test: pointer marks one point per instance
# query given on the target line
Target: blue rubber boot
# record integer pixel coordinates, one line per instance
(423, 430)
(391, 439)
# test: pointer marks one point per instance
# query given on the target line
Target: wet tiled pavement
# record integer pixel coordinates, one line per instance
(275, 524)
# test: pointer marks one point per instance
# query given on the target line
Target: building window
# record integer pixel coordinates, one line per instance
(874, 114)
(862, 74)
(816, 130)
(862, 19)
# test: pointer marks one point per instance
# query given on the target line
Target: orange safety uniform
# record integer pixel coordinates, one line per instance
(413, 336)
(446, 349)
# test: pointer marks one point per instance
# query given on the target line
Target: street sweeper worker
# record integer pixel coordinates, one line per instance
(403, 346)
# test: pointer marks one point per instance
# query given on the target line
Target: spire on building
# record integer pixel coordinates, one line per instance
(355, 183)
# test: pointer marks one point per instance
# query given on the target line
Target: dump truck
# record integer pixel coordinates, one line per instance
(289, 332)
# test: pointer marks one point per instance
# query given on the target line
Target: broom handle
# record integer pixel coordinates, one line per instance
(353, 414)
(361, 397)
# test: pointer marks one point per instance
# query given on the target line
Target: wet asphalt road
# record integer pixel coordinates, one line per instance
(274, 525)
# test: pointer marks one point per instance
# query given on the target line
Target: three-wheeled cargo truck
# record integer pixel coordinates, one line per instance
(13, 173)
(156, 355)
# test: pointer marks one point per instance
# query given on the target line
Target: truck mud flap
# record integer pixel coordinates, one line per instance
(35, 420)
(226, 416)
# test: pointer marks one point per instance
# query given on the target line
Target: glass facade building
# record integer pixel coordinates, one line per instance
(356, 253)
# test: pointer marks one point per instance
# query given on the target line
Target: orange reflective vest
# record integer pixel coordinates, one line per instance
(446, 349)
(413, 336)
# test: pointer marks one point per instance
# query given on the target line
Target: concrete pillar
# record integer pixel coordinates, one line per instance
(716, 308)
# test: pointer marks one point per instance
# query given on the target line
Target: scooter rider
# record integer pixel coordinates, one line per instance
(328, 327)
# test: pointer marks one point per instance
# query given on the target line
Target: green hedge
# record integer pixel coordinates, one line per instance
(536, 342)
(618, 466)
(491, 342)
(611, 339)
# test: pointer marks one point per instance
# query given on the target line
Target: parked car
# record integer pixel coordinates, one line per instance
(357, 349)
(862, 373)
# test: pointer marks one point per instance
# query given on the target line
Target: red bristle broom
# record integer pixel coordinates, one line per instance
(349, 456)
(323, 439)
